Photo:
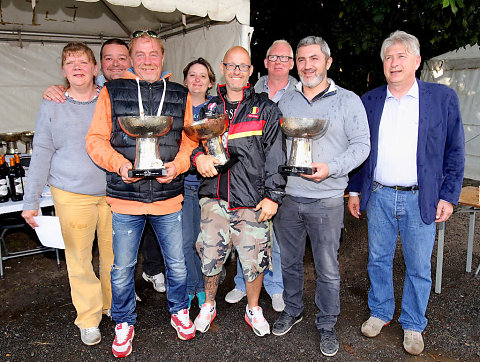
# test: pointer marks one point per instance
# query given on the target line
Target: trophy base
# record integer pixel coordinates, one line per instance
(295, 169)
(226, 166)
(148, 172)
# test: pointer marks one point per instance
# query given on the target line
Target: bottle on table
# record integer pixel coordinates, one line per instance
(4, 193)
(20, 169)
(15, 181)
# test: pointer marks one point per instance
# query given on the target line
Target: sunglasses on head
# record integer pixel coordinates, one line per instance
(139, 33)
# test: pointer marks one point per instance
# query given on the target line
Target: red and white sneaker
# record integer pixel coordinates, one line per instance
(122, 344)
(255, 319)
(183, 325)
(206, 316)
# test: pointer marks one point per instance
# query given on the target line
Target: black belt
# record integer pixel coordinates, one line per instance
(401, 188)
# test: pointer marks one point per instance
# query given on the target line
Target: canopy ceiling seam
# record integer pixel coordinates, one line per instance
(116, 18)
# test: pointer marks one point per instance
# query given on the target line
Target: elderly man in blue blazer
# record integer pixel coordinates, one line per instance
(410, 181)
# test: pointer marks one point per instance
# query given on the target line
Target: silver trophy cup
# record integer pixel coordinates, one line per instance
(146, 130)
(10, 139)
(210, 129)
(302, 131)
(27, 138)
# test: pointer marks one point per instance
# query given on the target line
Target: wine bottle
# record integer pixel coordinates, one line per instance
(15, 181)
(19, 169)
(4, 194)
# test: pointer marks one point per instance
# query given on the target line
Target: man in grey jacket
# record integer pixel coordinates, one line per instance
(314, 204)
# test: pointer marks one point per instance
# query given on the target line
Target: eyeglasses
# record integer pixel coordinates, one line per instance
(139, 33)
(241, 67)
(283, 58)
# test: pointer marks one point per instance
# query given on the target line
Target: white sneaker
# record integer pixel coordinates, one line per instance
(206, 316)
(183, 325)
(373, 326)
(90, 336)
(255, 319)
(234, 296)
(277, 302)
(413, 342)
(122, 344)
(158, 281)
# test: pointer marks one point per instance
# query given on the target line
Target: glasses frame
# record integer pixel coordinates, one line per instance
(150, 33)
(273, 58)
(241, 67)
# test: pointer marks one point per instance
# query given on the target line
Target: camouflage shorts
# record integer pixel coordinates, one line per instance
(220, 229)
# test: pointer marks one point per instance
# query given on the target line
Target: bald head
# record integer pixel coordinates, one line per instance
(236, 68)
(237, 51)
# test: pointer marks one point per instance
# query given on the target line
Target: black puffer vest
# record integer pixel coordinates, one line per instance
(124, 100)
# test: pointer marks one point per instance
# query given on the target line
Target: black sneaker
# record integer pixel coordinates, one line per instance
(328, 342)
(284, 323)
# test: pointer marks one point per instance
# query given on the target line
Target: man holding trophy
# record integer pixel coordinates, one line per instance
(331, 125)
(131, 114)
(239, 198)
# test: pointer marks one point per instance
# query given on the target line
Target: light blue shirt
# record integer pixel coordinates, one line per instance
(397, 140)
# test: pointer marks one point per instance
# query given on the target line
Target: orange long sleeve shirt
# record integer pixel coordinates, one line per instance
(104, 155)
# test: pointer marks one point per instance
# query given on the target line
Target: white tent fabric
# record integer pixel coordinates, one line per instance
(31, 58)
(460, 70)
(223, 10)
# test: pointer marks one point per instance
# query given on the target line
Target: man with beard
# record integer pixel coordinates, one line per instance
(314, 203)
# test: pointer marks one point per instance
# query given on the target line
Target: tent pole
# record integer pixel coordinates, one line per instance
(245, 36)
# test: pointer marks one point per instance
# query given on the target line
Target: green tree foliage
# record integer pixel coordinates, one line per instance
(355, 29)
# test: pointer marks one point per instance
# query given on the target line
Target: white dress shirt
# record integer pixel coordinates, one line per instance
(397, 140)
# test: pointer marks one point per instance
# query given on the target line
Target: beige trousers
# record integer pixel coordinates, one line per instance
(80, 216)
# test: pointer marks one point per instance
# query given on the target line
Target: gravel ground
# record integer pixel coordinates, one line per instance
(36, 313)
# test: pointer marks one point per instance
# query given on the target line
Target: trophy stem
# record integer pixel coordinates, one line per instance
(11, 147)
(216, 149)
(28, 148)
(301, 154)
(147, 155)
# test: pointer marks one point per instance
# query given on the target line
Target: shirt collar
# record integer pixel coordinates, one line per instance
(412, 92)
(265, 85)
(331, 87)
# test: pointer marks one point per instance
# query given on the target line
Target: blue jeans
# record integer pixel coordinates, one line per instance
(322, 220)
(127, 232)
(191, 229)
(272, 281)
(388, 213)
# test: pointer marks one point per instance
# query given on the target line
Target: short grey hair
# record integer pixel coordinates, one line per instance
(411, 43)
(280, 41)
(315, 40)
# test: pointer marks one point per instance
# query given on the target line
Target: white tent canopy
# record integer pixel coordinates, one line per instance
(460, 70)
(32, 35)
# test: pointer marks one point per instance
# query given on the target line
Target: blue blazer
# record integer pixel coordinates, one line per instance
(440, 147)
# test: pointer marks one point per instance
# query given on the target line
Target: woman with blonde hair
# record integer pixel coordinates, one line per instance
(78, 188)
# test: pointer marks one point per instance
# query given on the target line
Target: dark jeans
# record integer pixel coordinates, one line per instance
(322, 220)
(152, 256)
(191, 229)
